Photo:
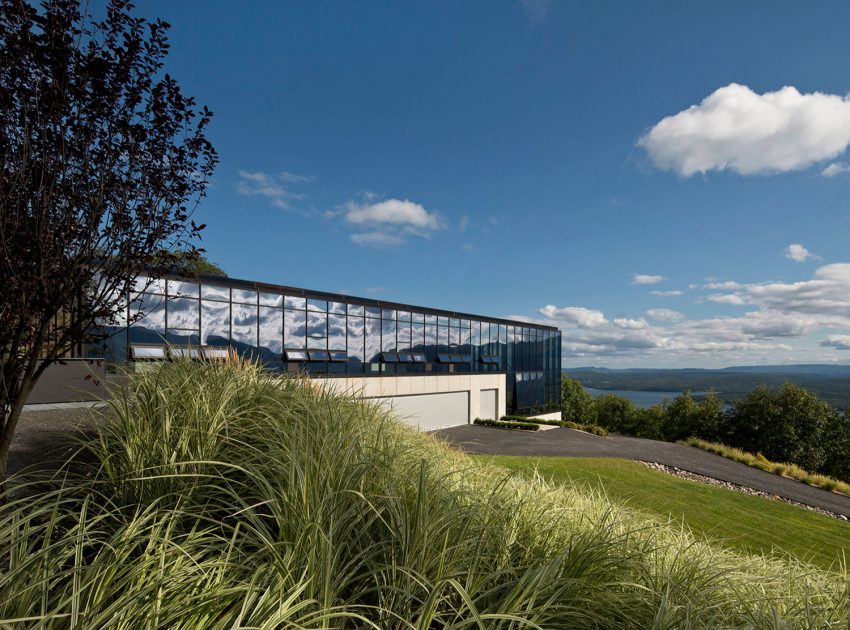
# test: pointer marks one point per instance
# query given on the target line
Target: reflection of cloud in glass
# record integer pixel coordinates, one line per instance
(215, 322)
(355, 337)
(149, 312)
(336, 332)
(295, 329)
(243, 322)
(373, 339)
(182, 289)
(317, 330)
(183, 313)
(271, 331)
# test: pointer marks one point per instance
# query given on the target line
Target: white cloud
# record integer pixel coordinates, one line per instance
(631, 324)
(665, 315)
(578, 315)
(727, 298)
(728, 285)
(536, 10)
(390, 221)
(783, 324)
(665, 294)
(737, 129)
(798, 253)
(274, 187)
(839, 342)
(835, 169)
(394, 212)
(642, 278)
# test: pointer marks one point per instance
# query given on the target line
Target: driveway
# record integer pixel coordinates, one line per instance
(563, 442)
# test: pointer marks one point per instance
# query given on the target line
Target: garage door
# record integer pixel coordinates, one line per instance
(488, 403)
(431, 411)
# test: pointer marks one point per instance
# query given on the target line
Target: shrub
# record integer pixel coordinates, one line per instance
(223, 497)
(576, 404)
(507, 424)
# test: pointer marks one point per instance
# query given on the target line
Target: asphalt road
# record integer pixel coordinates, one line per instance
(562, 442)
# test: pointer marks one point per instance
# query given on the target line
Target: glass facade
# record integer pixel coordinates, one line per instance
(292, 329)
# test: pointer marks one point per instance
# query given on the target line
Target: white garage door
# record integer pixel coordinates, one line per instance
(431, 411)
(488, 403)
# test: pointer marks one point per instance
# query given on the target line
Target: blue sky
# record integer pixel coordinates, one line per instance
(539, 160)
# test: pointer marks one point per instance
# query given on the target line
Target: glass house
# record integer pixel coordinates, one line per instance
(328, 335)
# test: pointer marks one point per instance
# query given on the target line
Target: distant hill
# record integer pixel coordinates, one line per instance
(830, 382)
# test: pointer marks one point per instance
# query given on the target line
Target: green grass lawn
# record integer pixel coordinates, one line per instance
(741, 521)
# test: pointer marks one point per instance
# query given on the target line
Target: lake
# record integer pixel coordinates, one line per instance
(641, 399)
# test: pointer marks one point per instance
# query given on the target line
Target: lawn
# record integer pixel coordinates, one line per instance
(741, 521)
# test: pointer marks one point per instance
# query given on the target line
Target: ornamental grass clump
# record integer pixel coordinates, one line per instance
(220, 496)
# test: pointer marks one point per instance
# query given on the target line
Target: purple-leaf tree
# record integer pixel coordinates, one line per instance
(104, 162)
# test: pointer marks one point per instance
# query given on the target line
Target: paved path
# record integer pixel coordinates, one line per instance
(564, 442)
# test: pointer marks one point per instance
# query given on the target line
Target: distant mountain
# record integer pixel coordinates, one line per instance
(830, 382)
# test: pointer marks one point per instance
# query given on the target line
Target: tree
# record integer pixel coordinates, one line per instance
(193, 263)
(576, 404)
(685, 417)
(104, 162)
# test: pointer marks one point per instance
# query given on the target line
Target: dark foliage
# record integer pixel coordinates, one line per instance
(104, 161)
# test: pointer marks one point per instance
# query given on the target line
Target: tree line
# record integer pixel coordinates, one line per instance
(785, 424)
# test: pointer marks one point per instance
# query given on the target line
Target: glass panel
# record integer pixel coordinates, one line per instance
(419, 357)
(431, 342)
(336, 307)
(404, 335)
(388, 341)
(372, 311)
(271, 299)
(405, 357)
(243, 327)
(149, 285)
(338, 356)
(182, 288)
(430, 319)
(373, 340)
(215, 323)
(186, 353)
(148, 316)
(444, 357)
(417, 340)
(317, 330)
(184, 313)
(183, 338)
(296, 355)
(147, 352)
(318, 306)
(244, 296)
(403, 316)
(294, 329)
(336, 332)
(356, 309)
(318, 355)
(298, 303)
(389, 357)
(388, 313)
(271, 333)
(454, 337)
(213, 292)
(355, 339)
(419, 318)
(442, 337)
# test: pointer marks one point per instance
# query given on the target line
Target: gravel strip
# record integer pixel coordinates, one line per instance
(711, 481)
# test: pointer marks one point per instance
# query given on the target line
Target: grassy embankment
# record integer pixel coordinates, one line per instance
(791, 471)
(224, 497)
(740, 521)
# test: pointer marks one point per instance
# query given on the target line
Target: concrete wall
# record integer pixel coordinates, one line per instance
(422, 405)
(75, 380)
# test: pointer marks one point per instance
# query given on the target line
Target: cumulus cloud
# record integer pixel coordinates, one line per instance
(779, 325)
(665, 294)
(736, 129)
(727, 298)
(275, 187)
(631, 324)
(798, 253)
(839, 342)
(728, 285)
(642, 278)
(835, 169)
(390, 221)
(665, 315)
(578, 315)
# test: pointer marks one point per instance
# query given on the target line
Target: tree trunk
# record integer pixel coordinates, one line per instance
(15, 397)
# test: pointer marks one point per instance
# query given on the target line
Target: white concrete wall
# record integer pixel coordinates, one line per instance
(555, 415)
(429, 410)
